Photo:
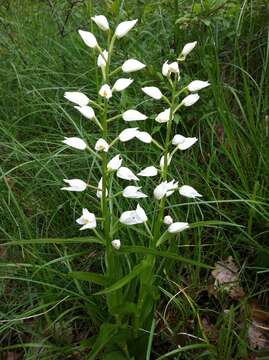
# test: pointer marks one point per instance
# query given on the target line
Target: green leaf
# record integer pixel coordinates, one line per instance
(167, 254)
(126, 279)
(107, 332)
(87, 240)
(89, 276)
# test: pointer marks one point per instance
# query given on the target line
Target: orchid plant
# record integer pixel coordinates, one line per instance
(130, 315)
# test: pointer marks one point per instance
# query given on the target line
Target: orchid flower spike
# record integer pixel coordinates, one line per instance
(75, 142)
(116, 244)
(86, 111)
(87, 219)
(77, 97)
(182, 142)
(190, 100)
(133, 115)
(153, 92)
(105, 91)
(124, 27)
(75, 185)
(102, 59)
(134, 217)
(88, 38)
(101, 145)
(164, 116)
(133, 192)
(186, 50)
(197, 85)
(115, 163)
(148, 171)
(122, 84)
(189, 192)
(101, 22)
(132, 65)
(167, 220)
(126, 174)
(177, 227)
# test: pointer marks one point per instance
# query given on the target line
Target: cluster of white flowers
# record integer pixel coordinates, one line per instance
(165, 188)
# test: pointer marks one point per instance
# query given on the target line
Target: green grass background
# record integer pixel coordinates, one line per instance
(45, 314)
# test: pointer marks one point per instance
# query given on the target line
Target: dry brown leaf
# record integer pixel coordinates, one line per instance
(226, 276)
(257, 336)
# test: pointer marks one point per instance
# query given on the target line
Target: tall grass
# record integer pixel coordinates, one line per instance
(46, 314)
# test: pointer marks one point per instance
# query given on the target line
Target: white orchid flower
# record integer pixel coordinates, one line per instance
(182, 142)
(132, 65)
(127, 134)
(76, 185)
(197, 85)
(134, 217)
(187, 49)
(75, 142)
(133, 192)
(177, 227)
(115, 163)
(105, 91)
(165, 189)
(133, 115)
(168, 69)
(116, 244)
(124, 27)
(143, 136)
(164, 116)
(102, 59)
(122, 84)
(87, 219)
(126, 174)
(101, 22)
(169, 158)
(86, 111)
(190, 99)
(148, 171)
(88, 38)
(168, 220)
(99, 192)
(77, 97)
(101, 145)
(189, 191)
(153, 92)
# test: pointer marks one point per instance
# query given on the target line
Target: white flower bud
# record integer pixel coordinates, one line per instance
(124, 27)
(114, 163)
(87, 219)
(75, 142)
(86, 111)
(126, 174)
(133, 115)
(153, 92)
(102, 59)
(148, 171)
(99, 192)
(127, 134)
(116, 244)
(101, 145)
(169, 158)
(101, 22)
(77, 97)
(189, 192)
(182, 142)
(167, 220)
(167, 69)
(177, 227)
(88, 38)
(188, 48)
(105, 91)
(122, 84)
(190, 99)
(76, 185)
(143, 136)
(133, 192)
(132, 65)
(134, 217)
(164, 116)
(197, 85)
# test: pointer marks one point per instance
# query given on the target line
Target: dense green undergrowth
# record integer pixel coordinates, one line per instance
(45, 314)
